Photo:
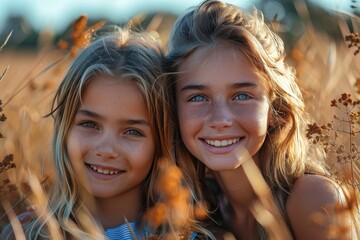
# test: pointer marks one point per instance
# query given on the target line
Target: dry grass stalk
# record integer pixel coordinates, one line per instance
(39, 200)
(5, 41)
(14, 221)
(3, 74)
(264, 209)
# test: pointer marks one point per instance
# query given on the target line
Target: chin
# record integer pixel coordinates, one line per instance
(222, 165)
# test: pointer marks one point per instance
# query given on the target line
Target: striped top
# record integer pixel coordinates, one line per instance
(123, 232)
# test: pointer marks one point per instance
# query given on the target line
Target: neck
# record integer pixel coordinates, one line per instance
(116, 210)
(238, 199)
(236, 187)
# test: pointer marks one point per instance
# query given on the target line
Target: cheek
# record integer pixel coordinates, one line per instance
(78, 145)
(143, 155)
(262, 123)
(255, 117)
(73, 147)
(191, 120)
(191, 113)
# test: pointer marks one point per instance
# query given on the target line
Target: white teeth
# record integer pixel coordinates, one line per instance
(222, 143)
(104, 171)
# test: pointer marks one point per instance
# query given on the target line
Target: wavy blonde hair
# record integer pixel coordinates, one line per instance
(283, 156)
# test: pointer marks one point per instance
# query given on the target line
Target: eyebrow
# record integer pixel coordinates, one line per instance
(88, 113)
(202, 87)
(136, 122)
(245, 85)
(122, 121)
(192, 87)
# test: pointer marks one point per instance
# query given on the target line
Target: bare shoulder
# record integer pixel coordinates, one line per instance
(312, 190)
(313, 207)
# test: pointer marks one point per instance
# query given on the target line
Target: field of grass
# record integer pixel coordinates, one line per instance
(327, 68)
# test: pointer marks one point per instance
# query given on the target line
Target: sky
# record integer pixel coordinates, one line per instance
(58, 14)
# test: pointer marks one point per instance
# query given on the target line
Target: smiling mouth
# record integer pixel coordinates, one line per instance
(222, 143)
(103, 170)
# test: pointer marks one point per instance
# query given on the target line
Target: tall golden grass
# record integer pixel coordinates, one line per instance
(327, 69)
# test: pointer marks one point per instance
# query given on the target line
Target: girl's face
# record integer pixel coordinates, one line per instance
(111, 139)
(222, 104)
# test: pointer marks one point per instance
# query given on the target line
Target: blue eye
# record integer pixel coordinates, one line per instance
(134, 132)
(197, 98)
(242, 96)
(89, 124)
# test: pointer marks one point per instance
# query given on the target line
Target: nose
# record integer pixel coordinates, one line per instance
(107, 146)
(220, 115)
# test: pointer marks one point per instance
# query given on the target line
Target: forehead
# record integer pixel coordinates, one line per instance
(211, 53)
(112, 88)
(222, 58)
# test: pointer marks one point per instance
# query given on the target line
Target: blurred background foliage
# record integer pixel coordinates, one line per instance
(29, 34)
(32, 64)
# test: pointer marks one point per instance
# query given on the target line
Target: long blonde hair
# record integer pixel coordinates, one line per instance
(283, 155)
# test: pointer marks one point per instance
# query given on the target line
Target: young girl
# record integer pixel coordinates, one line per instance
(232, 90)
(107, 129)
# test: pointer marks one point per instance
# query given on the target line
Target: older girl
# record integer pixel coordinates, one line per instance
(231, 89)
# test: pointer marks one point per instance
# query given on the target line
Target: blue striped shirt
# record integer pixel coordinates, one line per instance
(123, 232)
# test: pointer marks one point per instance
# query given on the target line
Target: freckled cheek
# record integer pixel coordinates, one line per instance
(188, 122)
(191, 113)
(191, 118)
(254, 117)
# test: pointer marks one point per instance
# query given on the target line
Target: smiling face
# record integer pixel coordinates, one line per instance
(111, 139)
(222, 104)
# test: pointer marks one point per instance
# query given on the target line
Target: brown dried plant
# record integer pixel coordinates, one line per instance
(78, 38)
(340, 141)
(80, 35)
(357, 85)
(7, 163)
(8, 160)
(354, 40)
(174, 206)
